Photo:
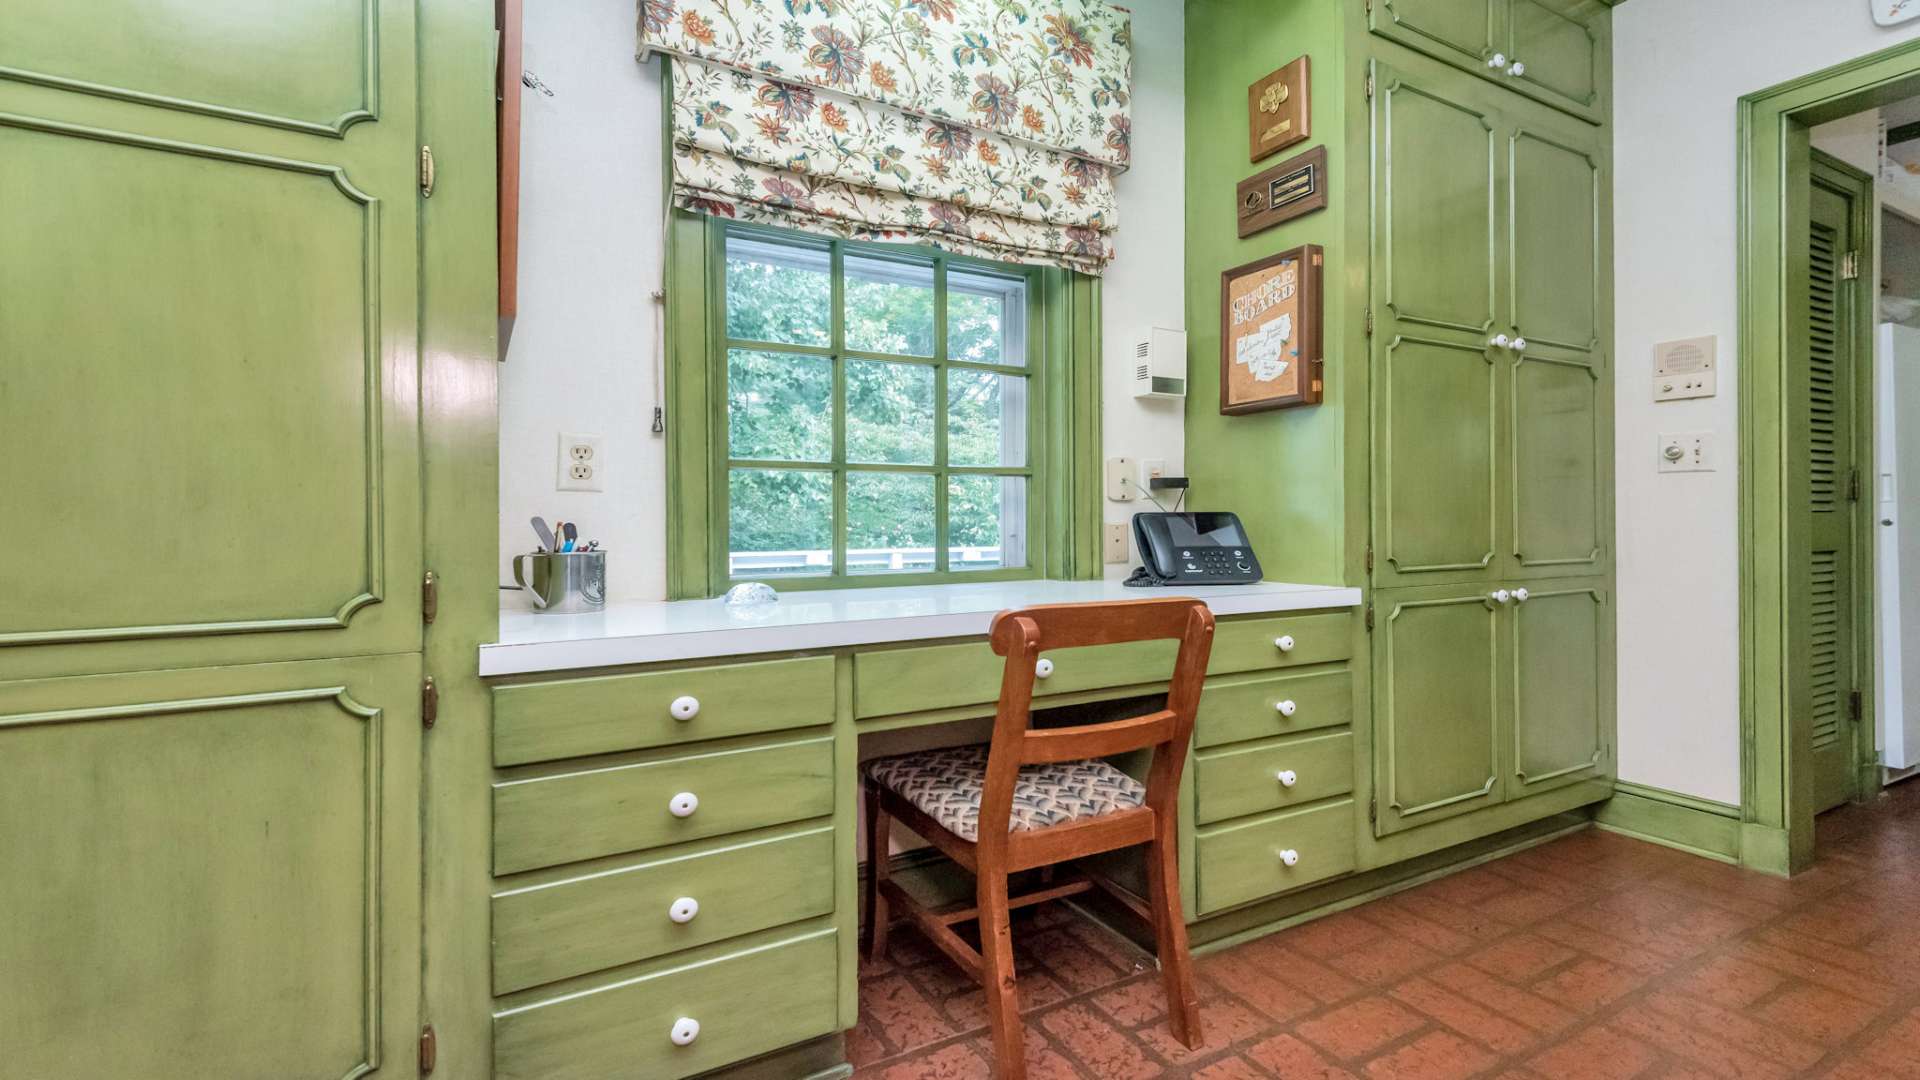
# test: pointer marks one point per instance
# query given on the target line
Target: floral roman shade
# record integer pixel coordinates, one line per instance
(987, 127)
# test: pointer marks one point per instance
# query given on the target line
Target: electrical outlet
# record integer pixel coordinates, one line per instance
(1117, 543)
(583, 462)
(1687, 452)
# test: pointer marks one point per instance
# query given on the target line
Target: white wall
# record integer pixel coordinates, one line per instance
(1679, 68)
(590, 255)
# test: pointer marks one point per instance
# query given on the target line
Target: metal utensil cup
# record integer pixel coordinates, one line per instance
(563, 582)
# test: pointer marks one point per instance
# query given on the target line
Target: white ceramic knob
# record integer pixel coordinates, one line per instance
(1284, 643)
(1290, 857)
(1499, 341)
(1521, 594)
(1286, 708)
(1497, 60)
(685, 707)
(685, 1030)
(684, 909)
(1500, 596)
(683, 804)
(1517, 69)
(1043, 668)
(1287, 777)
(1519, 344)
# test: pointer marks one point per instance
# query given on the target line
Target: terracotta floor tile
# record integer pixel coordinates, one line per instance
(1465, 1016)
(1819, 1014)
(1437, 1055)
(1232, 1068)
(1588, 984)
(1099, 1046)
(1383, 960)
(904, 1016)
(1596, 1053)
(1223, 1024)
(954, 1062)
(1358, 1028)
(1731, 981)
(1289, 1058)
(1522, 957)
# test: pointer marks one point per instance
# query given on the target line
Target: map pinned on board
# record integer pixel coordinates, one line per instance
(1894, 12)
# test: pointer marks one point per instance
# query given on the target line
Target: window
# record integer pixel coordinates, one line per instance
(879, 417)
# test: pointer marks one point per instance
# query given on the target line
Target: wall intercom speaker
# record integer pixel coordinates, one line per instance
(1160, 364)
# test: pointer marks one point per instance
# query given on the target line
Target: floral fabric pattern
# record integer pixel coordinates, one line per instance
(948, 784)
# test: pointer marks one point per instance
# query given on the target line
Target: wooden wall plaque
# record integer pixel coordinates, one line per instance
(1277, 112)
(1271, 332)
(1294, 187)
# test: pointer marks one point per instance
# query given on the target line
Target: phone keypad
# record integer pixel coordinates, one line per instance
(1216, 563)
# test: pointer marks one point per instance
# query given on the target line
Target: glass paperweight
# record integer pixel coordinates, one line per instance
(751, 593)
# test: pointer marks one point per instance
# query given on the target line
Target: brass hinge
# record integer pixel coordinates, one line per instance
(429, 1049)
(1853, 485)
(1369, 618)
(429, 702)
(1369, 87)
(1850, 266)
(426, 172)
(1369, 558)
(1373, 810)
(1369, 322)
(1855, 706)
(429, 597)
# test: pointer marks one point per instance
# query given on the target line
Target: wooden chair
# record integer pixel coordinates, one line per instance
(1033, 798)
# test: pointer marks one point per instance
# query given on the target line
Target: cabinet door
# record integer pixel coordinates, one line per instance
(1562, 688)
(1559, 51)
(1437, 393)
(1461, 32)
(212, 872)
(209, 408)
(1436, 705)
(1560, 399)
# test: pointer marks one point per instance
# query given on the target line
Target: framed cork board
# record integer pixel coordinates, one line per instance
(1277, 112)
(1270, 332)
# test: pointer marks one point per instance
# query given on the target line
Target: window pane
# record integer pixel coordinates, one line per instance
(889, 413)
(889, 306)
(986, 522)
(889, 523)
(779, 406)
(986, 318)
(779, 522)
(779, 292)
(986, 418)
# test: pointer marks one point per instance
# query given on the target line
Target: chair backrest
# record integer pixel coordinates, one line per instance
(1022, 635)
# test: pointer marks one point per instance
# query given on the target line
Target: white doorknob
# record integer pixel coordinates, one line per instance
(1497, 60)
(685, 707)
(1517, 69)
(1499, 341)
(1519, 344)
(1521, 594)
(1287, 777)
(684, 909)
(1286, 708)
(683, 804)
(1043, 668)
(1500, 596)
(1284, 643)
(1289, 857)
(685, 1030)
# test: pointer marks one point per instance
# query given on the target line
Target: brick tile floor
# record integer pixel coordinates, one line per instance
(1591, 956)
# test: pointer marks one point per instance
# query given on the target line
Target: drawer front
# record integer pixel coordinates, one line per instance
(892, 681)
(575, 717)
(1247, 780)
(746, 1004)
(1240, 708)
(1241, 863)
(553, 931)
(549, 820)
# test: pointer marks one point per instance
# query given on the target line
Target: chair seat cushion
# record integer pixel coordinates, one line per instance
(946, 786)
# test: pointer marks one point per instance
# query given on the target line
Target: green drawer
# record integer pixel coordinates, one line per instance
(611, 917)
(1244, 707)
(1246, 779)
(565, 817)
(1236, 864)
(746, 1004)
(542, 721)
(892, 681)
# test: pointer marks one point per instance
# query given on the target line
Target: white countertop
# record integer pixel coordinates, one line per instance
(647, 632)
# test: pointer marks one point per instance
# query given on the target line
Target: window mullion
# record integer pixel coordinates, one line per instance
(942, 546)
(838, 293)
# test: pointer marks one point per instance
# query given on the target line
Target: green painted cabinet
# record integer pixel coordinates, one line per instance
(1437, 705)
(1555, 51)
(1562, 686)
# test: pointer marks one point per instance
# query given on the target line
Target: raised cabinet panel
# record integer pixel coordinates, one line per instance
(1458, 31)
(1434, 458)
(1435, 203)
(1562, 685)
(302, 64)
(1554, 235)
(1436, 706)
(1560, 52)
(1559, 445)
(211, 872)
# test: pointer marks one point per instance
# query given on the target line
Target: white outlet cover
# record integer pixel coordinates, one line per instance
(581, 462)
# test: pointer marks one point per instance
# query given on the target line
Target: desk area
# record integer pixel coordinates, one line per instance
(675, 797)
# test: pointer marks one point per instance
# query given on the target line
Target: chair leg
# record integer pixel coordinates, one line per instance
(997, 975)
(1170, 939)
(878, 856)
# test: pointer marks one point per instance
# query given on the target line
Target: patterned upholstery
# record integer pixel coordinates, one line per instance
(946, 785)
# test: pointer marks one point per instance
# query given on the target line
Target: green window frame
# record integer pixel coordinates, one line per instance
(1060, 467)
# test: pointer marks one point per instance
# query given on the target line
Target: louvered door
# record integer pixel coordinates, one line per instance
(1822, 613)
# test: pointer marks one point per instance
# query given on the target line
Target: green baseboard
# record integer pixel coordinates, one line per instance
(1701, 827)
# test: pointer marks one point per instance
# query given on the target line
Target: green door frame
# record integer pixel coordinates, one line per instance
(1775, 156)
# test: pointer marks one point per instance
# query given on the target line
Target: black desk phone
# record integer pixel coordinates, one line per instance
(1198, 548)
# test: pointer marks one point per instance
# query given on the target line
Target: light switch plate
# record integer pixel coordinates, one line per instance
(1116, 546)
(1688, 451)
(582, 462)
(1687, 368)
